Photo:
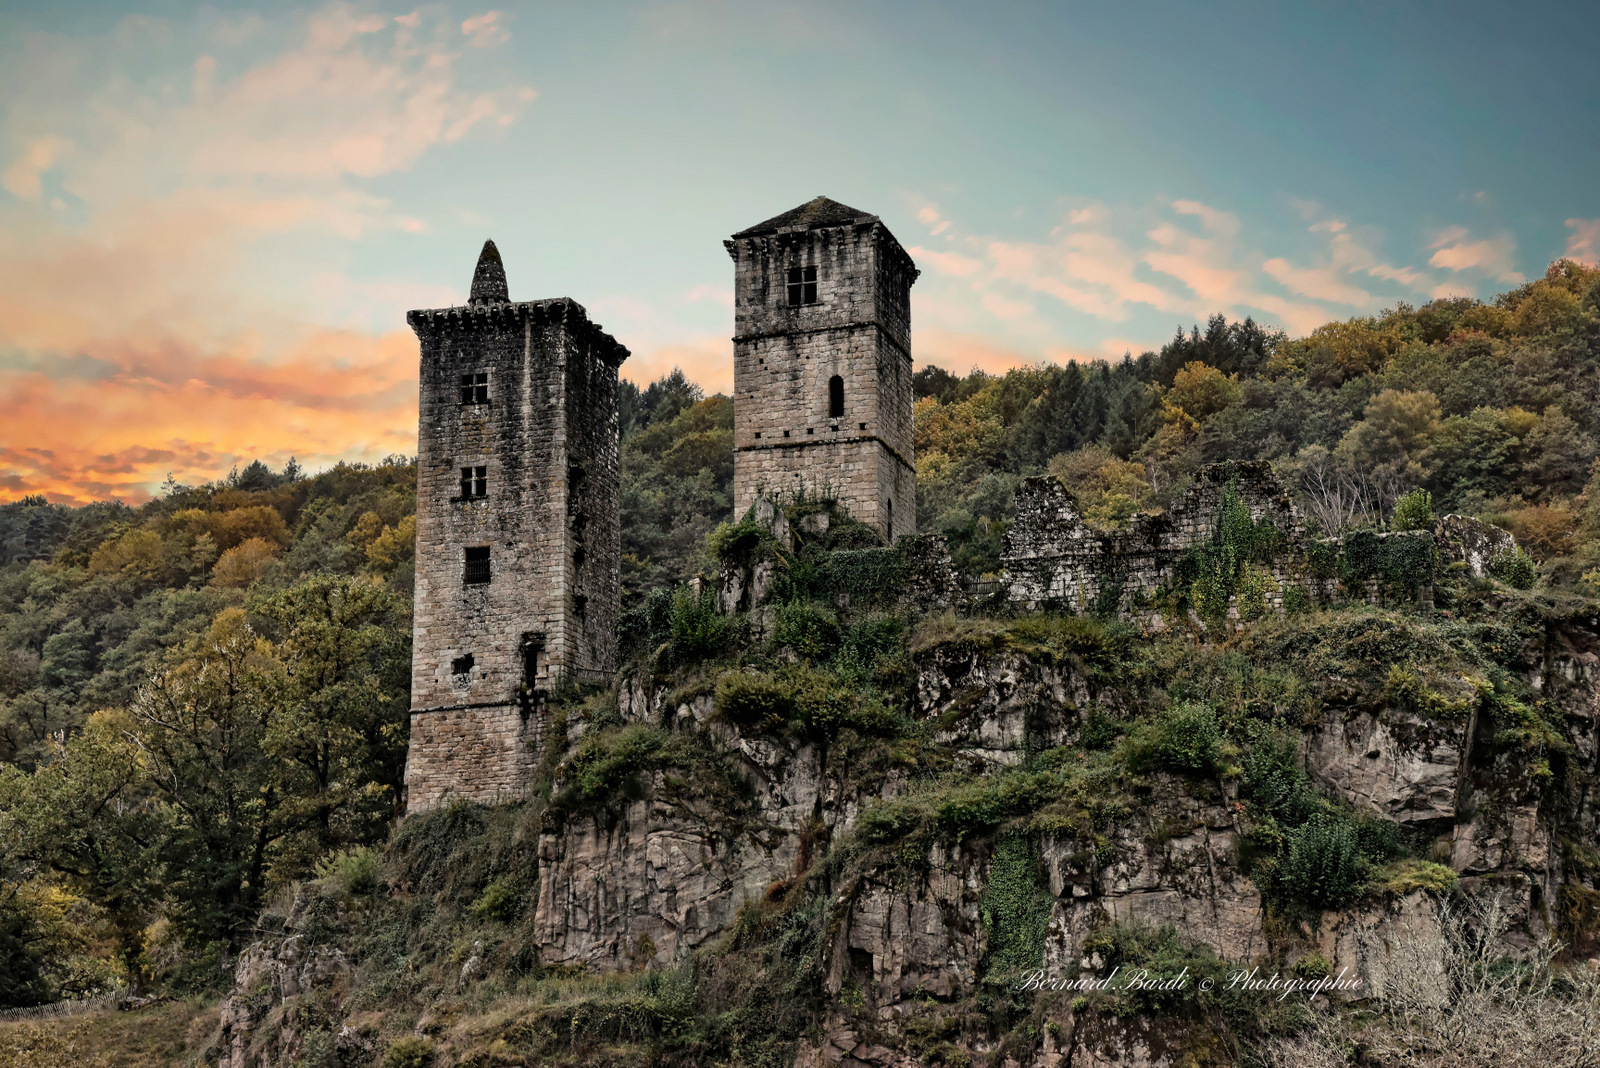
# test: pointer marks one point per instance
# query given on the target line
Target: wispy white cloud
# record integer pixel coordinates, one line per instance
(1318, 283)
(487, 30)
(1455, 251)
(1583, 244)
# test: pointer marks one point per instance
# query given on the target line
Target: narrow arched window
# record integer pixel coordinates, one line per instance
(835, 397)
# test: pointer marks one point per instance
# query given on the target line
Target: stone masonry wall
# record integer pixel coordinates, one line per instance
(480, 754)
(784, 438)
(547, 435)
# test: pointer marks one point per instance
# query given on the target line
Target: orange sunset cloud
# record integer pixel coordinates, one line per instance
(142, 333)
(141, 414)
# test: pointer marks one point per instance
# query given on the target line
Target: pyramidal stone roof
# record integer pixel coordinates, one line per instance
(812, 215)
(489, 280)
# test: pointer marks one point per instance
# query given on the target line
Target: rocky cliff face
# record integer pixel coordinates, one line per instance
(1453, 759)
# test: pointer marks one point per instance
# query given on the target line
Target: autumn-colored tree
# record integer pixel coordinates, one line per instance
(1201, 391)
(1395, 432)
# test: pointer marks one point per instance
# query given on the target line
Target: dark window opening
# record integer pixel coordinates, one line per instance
(890, 524)
(474, 482)
(835, 397)
(863, 426)
(475, 388)
(580, 605)
(477, 569)
(461, 665)
(802, 286)
(578, 556)
(532, 644)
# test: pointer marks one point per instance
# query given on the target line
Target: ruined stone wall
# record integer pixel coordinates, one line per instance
(1052, 558)
(547, 435)
(785, 439)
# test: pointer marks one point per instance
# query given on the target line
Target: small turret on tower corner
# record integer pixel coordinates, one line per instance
(822, 363)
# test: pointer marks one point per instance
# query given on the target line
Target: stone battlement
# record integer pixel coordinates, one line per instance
(492, 317)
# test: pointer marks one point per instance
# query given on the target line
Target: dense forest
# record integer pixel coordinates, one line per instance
(203, 698)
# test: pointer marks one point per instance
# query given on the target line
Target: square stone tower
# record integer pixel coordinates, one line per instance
(517, 531)
(822, 363)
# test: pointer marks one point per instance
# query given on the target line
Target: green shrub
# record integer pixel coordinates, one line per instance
(1323, 865)
(807, 628)
(1295, 599)
(1055, 636)
(1255, 589)
(412, 1051)
(501, 900)
(1099, 729)
(607, 763)
(645, 624)
(1312, 966)
(1514, 568)
(739, 544)
(753, 700)
(1323, 557)
(699, 631)
(1414, 511)
(1164, 954)
(1359, 557)
(1275, 781)
(1185, 738)
(870, 639)
(355, 871)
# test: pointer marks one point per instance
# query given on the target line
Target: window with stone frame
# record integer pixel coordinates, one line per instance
(802, 286)
(474, 483)
(475, 388)
(835, 397)
(476, 572)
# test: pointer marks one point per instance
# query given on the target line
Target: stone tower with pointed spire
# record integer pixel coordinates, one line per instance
(822, 363)
(517, 531)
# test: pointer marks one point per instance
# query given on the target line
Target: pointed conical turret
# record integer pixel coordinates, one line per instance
(489, 280)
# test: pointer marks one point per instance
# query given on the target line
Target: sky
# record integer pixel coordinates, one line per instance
(214, 218)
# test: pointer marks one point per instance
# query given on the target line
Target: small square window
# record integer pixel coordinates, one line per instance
(474, 482)
(475, 388)
(802, 286)
(461, 665)
(477, 569)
